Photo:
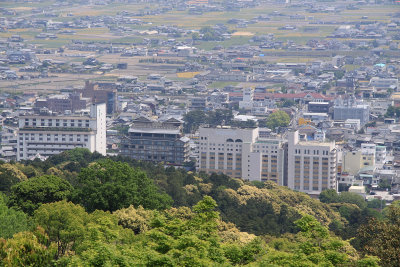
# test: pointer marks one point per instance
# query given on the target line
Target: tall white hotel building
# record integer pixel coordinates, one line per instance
(48, 135)
(240, 153)
(307, 166)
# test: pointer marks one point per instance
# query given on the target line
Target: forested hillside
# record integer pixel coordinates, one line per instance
(82, 209)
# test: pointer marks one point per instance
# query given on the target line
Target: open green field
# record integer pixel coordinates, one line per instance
(305, 30)
(189, 21)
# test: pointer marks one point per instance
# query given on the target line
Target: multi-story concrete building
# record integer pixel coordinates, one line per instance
(63, 102)
(47, 134)
(240, 153)
(344, 112)
(99, 95)
(307, 166)
(9, 137)
(156, 141)
(311, 165)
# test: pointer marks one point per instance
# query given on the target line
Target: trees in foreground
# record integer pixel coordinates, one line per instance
(66, 235)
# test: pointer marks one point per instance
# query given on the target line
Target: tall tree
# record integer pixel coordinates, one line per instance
(63, 222)
(27, 249)
(29, 195)
(278, 119)
(108, 185)
(9, 176)
(381, 238)
(11, 220)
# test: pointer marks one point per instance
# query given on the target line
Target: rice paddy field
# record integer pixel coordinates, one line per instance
(305, 29)
(189, 21)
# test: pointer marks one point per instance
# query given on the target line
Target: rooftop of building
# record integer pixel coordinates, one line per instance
(315, 143)
(154, 130)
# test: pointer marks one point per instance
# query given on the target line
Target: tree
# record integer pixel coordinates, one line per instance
(27, 249)
(11, 220)
(392, 112)
(278, 119)
(195, 36)
(193, 119)
(353, 198)
(108, 185)
(329, 196)
(104, 243)
(382, 238)
(9, 176)
(376, 203)
(28, 170)
(287, 103)
(29, 195)
(339, 74)
(312, 246)
(138, 220)
(63, 222)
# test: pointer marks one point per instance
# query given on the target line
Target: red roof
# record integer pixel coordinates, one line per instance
(235, 94)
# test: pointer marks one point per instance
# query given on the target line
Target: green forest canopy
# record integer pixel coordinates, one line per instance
(82, 209)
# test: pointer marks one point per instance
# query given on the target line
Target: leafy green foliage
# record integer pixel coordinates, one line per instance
(29, 195)
(109, 185)
(392, 112)
(11, 220)
(10, 175)
(195, 118)
(27, 249)
(205, 235)
(278, 119)
(312, 246)
(63, 222)
(209, 34)
(329, 196)
(271, 209)
(381, 238)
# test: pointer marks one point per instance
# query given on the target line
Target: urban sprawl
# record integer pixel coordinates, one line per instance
(301, 93)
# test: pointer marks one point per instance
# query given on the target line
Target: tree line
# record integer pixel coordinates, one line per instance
(83, 209)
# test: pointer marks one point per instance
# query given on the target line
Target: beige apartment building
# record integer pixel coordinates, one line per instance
(311, 165)
(240, 153)
(306, 166)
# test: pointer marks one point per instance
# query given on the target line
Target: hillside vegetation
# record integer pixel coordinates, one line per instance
(82, 209)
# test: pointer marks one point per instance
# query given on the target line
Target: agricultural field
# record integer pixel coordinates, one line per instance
(305, 29)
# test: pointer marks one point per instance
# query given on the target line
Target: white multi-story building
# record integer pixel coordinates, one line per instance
(240, 153)
(8, 149)
(311, 165)
(48, 135)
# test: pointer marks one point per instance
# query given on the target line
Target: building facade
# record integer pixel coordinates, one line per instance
(48, 135)
(360, 112)
(62, 103)
(312, 165)
(306, 166)
(240, 153)
(99, 95)
(156, 141)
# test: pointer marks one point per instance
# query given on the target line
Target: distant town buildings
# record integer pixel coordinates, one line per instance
(357, 111)
(99, 95)
(46, 135)
(156, 141)
(62, 103)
